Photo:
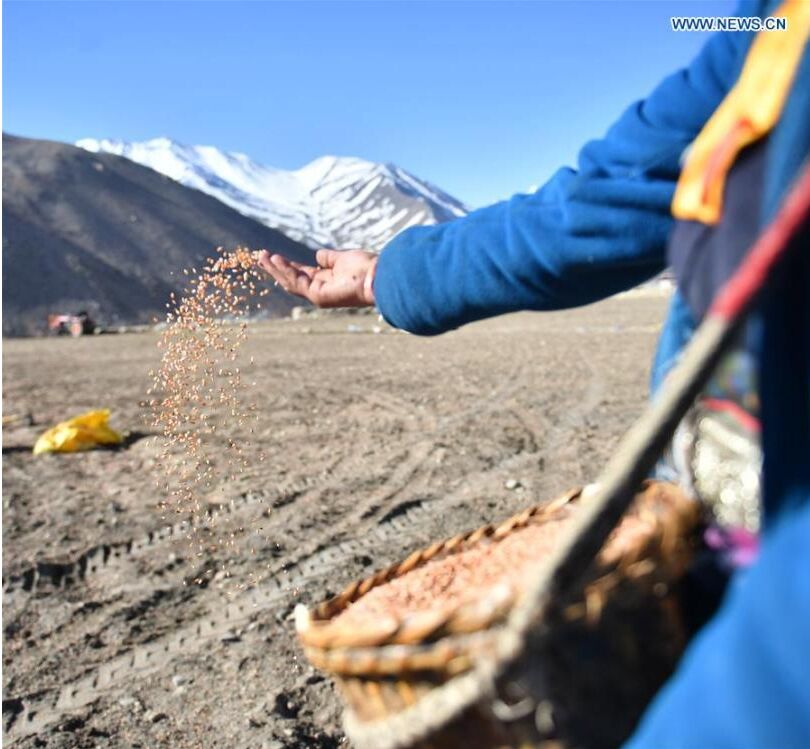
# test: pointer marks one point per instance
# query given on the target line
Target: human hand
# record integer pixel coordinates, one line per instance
(342, 278)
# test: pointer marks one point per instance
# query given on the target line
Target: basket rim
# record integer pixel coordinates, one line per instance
(316, 627)
(454, 655)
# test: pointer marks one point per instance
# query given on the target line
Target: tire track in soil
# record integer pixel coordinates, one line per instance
(30, 714)
(23, 717)
(26, 715)
(103, 558)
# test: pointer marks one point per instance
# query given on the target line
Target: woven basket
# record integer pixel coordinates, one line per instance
(607, 645)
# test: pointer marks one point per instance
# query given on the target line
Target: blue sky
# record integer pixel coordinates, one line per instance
(483, 98)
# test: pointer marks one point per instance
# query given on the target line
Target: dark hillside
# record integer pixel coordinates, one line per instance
(101, 233)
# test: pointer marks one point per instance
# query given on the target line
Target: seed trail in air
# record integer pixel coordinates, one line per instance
(197, 384)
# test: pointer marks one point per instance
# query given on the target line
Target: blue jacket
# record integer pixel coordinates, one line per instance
(591, 232)
(585, 235)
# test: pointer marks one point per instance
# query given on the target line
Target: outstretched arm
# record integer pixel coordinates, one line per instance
(587, 234)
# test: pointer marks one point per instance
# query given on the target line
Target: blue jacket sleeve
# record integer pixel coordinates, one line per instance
(745, 681)
(587, 234)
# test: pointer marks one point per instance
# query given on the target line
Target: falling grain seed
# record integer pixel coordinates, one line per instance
(205, 329)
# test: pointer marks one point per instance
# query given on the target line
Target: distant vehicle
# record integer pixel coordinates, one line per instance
(73, 325)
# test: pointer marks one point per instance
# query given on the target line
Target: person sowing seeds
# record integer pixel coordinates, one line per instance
(686, 178)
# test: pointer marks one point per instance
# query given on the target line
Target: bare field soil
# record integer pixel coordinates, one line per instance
(377, 444)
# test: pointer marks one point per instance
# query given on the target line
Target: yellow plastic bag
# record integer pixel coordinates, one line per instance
(79, 433)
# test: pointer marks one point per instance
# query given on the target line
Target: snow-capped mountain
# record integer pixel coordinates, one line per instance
(331, 202)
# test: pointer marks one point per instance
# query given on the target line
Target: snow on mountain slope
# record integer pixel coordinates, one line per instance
(331, 202)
